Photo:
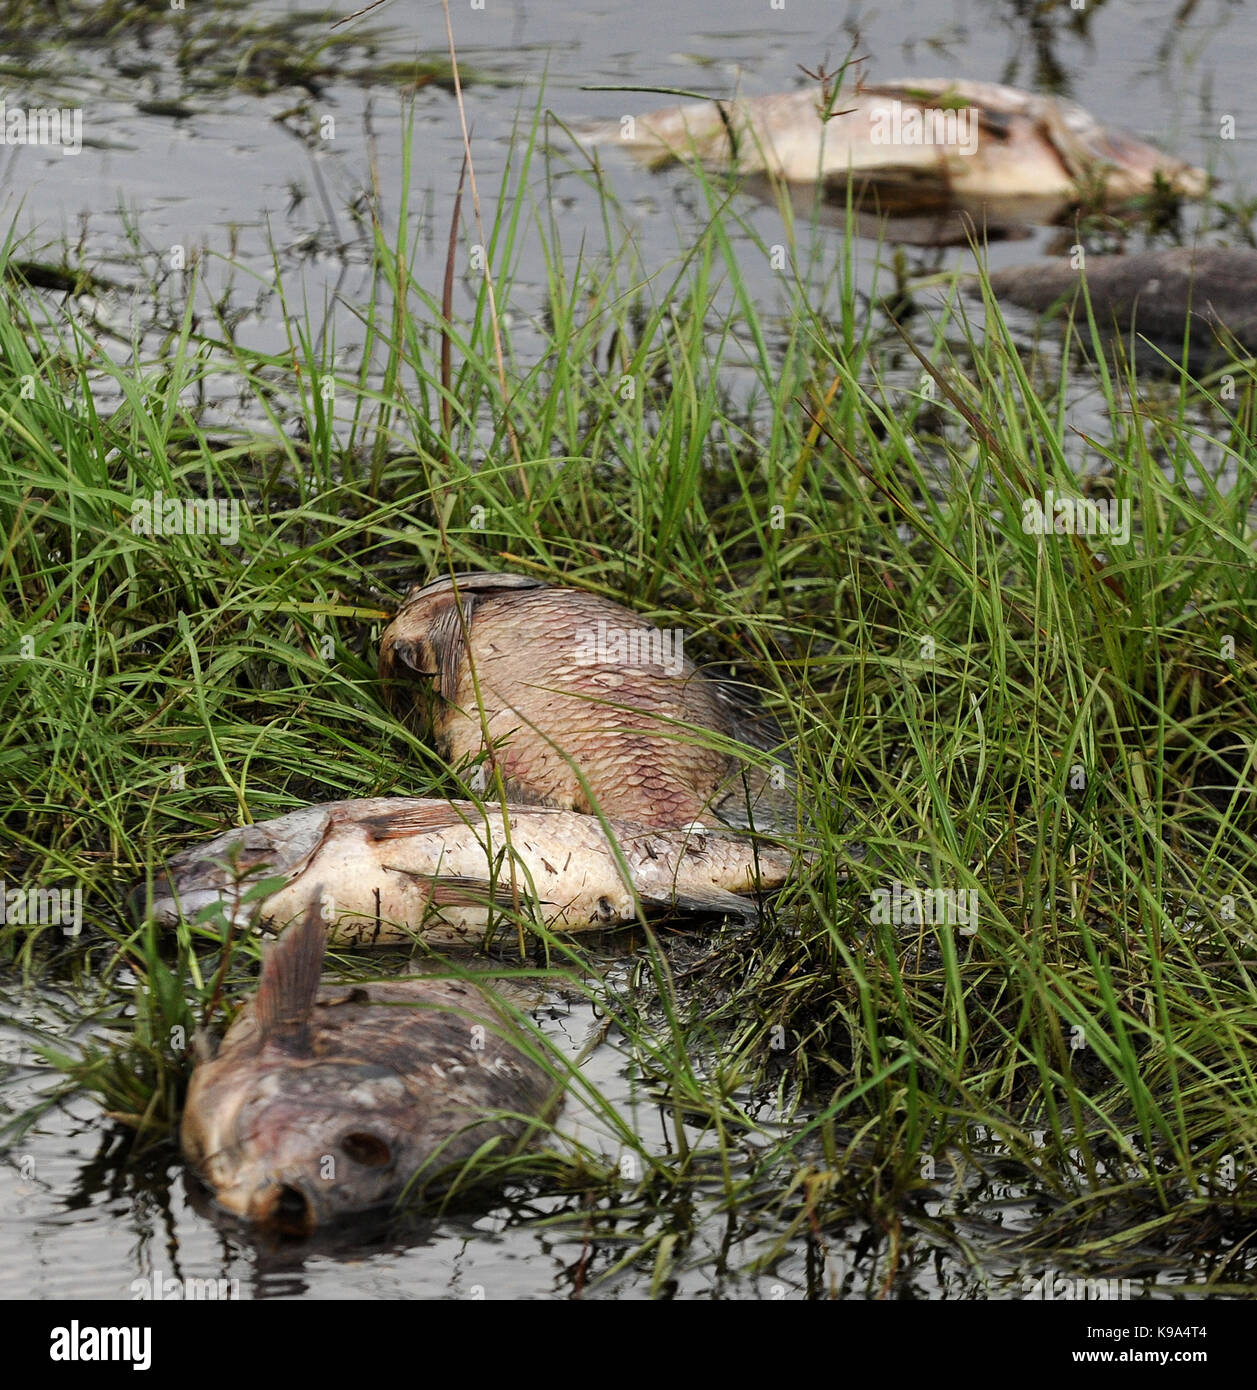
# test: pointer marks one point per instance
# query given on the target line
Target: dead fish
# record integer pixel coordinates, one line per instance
(575, 686)
(921, 142)
(321, 1103)
(392, 867)
(1211, 292)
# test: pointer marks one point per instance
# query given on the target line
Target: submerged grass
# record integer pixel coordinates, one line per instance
(1027, 943)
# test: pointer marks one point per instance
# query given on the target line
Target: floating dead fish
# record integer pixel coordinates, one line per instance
(322, 1103)
(391, 868)
(918, 144)
(577, 687)
(1211, 292)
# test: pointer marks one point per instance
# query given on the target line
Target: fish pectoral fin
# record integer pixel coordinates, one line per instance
(464, 890)
(709, 900)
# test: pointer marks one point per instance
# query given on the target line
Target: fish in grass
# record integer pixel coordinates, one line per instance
(917, 142)
(324, 1102)
(582, 704)
(388, 869)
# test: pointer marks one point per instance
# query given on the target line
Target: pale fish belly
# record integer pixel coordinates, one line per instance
(445, 888)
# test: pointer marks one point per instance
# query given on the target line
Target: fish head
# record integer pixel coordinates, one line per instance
(1136, 167)
(286, 1138)
(1123, 166)
(292, 1145)
(222, 871)
(321, 1107)
(422, 651)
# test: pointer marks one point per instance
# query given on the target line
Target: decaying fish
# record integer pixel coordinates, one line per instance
(390, 868)
(575, 687)
(920, 142)
(1212, 292)
(321, 1103)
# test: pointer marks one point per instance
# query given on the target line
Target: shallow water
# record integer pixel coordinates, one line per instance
(225, 170)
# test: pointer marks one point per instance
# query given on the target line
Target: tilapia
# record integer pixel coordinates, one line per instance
(1210, 292)
(390, 868)
(919, 142)
(325, 1102)
(586, 705)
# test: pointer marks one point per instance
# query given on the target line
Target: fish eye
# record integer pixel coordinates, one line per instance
(368, 1149)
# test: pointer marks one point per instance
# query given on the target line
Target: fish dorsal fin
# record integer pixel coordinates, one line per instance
(491, 582)
(290, 981)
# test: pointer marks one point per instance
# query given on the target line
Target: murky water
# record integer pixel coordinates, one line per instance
(173, 156)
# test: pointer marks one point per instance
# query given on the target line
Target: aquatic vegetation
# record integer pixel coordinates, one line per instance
(220, 45)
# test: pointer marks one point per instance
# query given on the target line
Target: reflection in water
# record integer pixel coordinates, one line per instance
(876, 218)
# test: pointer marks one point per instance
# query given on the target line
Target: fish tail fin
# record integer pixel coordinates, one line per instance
(290, 980)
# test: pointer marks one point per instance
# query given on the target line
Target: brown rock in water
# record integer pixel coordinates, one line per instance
(1211, 292)
(326, 1102)
(577, 687)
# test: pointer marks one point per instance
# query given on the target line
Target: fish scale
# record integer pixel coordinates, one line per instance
(657, 742)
